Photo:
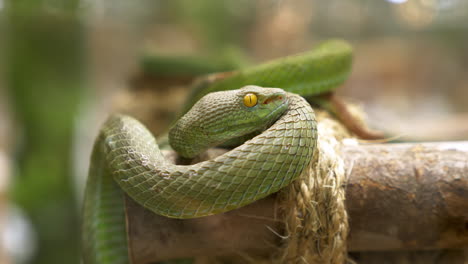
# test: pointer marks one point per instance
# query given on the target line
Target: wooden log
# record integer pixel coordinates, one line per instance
(399, 196)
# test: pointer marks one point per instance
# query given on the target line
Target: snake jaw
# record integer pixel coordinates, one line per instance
(280, 107)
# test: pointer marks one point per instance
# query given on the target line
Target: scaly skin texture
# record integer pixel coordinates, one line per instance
(126, 157)
(221, 116)
(310, 73)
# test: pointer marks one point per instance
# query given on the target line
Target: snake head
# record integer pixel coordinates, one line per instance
(263, 105)
(243, 111)
(222, 116)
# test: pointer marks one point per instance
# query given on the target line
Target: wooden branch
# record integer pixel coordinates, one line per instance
(399, 196)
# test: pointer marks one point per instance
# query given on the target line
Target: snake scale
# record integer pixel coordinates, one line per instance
(126, 157)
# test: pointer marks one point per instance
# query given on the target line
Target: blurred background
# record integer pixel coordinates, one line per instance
(64, 65)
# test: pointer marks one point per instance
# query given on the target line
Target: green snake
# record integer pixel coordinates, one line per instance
(126, 157)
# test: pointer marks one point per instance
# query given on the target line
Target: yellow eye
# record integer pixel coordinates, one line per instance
(250, 100)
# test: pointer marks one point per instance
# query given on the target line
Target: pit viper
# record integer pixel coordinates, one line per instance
(126, 158)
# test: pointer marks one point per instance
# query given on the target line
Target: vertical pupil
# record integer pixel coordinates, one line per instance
(249, 99)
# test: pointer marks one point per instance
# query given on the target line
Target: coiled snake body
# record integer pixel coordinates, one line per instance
(126, 157)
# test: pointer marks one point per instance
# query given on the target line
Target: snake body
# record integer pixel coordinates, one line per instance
(126, 157)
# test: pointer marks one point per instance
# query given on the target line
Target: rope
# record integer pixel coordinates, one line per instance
(316, 220)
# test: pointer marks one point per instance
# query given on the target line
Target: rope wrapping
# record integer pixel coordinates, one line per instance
(313, 207)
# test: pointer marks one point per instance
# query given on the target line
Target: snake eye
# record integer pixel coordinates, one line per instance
(250, 100)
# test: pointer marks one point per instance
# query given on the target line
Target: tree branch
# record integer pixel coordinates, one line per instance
(399, 196)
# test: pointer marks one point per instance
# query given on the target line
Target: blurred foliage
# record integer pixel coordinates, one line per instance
(45, 81)
(217, 23)
(217, 26)
(179, 65)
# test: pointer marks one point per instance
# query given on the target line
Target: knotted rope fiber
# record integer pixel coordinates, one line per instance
(313, 207)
